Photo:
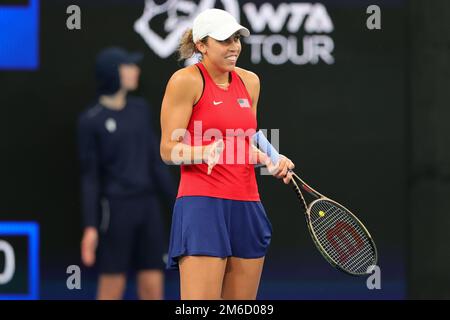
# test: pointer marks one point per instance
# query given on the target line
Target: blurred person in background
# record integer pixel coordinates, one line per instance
(121, 176)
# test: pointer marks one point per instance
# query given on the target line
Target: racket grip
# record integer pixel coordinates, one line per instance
(260, 140)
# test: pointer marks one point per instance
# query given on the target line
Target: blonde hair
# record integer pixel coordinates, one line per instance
(187, 48)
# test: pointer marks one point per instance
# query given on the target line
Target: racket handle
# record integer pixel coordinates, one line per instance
(260, 140)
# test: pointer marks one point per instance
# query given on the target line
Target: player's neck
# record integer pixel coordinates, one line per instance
(115, 101)
(216, 75)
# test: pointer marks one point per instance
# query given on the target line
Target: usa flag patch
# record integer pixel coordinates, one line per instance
(243, 103)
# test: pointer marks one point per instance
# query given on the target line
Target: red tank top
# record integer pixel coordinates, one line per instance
(225, 113)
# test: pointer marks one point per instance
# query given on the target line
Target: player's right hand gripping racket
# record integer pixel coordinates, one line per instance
(338, 234)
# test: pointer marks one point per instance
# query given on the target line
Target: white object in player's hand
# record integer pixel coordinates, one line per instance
(212, 154)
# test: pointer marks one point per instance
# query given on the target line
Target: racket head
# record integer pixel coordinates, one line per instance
(341, 237)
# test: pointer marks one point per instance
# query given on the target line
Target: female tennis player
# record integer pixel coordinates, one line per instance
(220, 232)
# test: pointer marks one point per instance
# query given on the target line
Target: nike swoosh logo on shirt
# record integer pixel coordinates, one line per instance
(216, 103)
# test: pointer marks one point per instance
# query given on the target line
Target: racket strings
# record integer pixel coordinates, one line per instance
(349, 256)
(356, 263)
(341, 237)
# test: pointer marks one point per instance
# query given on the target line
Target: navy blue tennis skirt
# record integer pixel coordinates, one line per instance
(207, 226)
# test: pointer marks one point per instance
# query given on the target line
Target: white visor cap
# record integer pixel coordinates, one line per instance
(217, 24)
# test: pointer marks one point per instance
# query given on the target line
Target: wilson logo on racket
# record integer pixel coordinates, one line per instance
(350, 242)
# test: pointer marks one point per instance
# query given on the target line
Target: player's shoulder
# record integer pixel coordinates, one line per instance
(247, 76)
(186, 83)
(186, 75)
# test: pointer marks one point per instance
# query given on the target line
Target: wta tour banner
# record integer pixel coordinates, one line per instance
(297, 32)
(19, 260)
(19, 34)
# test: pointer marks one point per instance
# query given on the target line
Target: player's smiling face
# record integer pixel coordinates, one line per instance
(223, 54)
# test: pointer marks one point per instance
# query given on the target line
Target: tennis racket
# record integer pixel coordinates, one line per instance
(338, 234)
